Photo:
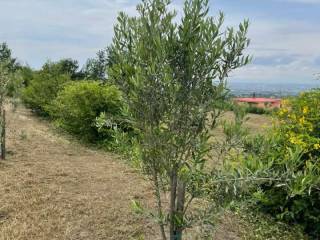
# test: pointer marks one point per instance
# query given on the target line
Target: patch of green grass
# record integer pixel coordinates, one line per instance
(256, 225)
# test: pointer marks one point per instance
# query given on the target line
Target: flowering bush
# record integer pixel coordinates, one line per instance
(300, 122)
(290, 154)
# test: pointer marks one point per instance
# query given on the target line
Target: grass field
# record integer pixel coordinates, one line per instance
(52, 187)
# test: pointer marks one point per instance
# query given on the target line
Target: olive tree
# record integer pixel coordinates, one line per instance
(4, 80)
(173, 74)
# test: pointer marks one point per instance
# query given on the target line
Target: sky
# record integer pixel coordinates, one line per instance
(285, 34)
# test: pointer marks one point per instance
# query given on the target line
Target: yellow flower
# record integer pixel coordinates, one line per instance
(316, 146)
(297, 141)
(293, 140)
(282, 111)
(305, 110)
(302, 120)
(285, 102)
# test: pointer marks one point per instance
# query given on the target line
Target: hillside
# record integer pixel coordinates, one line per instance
(52, 187)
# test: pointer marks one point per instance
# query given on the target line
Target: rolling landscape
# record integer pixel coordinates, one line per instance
(159, 120)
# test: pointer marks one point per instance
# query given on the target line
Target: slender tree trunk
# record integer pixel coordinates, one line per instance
(3, 135)
(159, 204)
(181, 192)
(173, 196)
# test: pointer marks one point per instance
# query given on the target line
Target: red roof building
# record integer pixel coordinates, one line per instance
(260, 102)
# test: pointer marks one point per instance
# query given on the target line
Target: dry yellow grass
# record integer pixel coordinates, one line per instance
(256, 123)
(53, 188)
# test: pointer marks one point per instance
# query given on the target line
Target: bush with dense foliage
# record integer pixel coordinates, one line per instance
(173, 77)
(79, 104)
(43, 88)
(290, 153)
(230, 105)
(258, 110)
(19, 80)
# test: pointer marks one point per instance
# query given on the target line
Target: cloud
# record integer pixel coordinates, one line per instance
(285, 50)
(297, 71)
(302, 1)
(317, 62)
(284, 47)
(276, 60)
(42, 29)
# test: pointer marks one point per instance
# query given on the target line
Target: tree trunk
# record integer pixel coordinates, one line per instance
(3, 135)
(173, 196)
(159, 204)
(180, 208)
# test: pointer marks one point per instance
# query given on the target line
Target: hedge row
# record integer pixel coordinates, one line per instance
(73, 105)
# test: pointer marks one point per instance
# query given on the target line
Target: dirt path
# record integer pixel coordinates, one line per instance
(51, 188)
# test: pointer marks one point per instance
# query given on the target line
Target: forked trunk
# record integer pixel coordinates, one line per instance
(177, 202)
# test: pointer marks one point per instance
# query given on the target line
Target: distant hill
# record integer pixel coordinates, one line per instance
(270, 89)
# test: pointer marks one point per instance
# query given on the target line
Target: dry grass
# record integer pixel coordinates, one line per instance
(256, 124)
(54, 188)
(51, 188)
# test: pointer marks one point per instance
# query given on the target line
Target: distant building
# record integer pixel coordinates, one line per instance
(259, 102)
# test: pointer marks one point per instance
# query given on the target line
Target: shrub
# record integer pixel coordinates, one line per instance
(173, 78)
(79, 104)
(291, 154)
(257, 110)
(43, 88)
(19, 80)
(232, 106)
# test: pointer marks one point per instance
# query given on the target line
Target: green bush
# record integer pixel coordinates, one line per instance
(257, 110)
(290, 154)
(231, 106)
(79, 104)
(43, 88)
(19, 80)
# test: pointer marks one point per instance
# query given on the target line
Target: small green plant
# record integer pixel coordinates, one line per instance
(256, 225)
(23, 135)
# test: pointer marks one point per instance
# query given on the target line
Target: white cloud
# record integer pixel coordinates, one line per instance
(291, 47)
(302, 1)
(297, 71)
(42, 29)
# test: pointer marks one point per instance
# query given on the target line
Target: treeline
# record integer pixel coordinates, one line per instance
(75, 99)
